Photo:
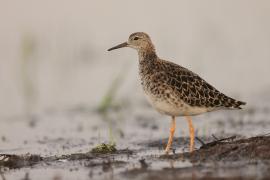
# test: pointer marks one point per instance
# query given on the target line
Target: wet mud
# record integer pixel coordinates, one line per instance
(85, 145)
(231, 155)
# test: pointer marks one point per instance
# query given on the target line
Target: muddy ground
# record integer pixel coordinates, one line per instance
(58, 144)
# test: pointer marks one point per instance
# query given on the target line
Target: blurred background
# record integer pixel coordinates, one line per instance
(53, 53)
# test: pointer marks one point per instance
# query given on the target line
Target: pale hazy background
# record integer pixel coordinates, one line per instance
(53, 52)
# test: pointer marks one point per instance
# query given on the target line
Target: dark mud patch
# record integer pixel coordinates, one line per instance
(229, 149)
(12, 161)
(94, 155)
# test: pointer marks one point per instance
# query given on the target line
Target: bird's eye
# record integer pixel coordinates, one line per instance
(136, 38)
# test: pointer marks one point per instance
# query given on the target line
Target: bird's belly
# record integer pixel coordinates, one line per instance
(174, 109)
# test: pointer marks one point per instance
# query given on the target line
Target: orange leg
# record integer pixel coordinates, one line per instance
(191, 133)
(169, 144)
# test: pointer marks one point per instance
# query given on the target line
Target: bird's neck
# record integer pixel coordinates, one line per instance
(147, 62)
(147, 55)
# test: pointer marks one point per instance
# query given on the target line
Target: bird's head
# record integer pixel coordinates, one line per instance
(138, 41)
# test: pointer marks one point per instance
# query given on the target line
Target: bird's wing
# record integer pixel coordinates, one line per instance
(194, 90)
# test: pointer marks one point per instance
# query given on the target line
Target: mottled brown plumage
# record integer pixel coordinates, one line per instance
(186, 85)
(173, 89)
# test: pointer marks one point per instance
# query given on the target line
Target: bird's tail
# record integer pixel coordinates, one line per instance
(234, 104)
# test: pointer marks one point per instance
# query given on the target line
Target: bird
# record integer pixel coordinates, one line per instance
(174, 90)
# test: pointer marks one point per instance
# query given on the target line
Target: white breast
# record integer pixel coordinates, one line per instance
(182, 109)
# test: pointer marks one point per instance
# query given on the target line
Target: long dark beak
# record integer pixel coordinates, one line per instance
(125, 44)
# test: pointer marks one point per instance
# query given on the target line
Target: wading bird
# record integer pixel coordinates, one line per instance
(174, 90)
